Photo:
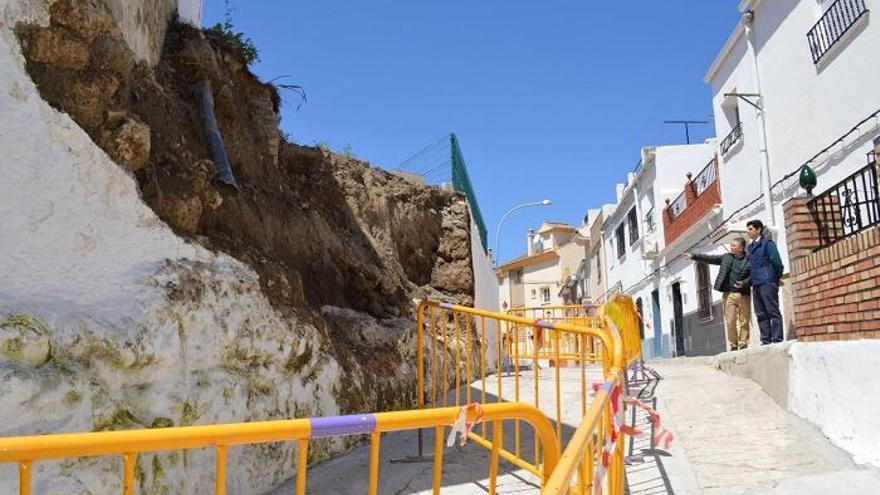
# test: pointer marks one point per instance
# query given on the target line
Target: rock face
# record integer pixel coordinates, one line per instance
(137, 294)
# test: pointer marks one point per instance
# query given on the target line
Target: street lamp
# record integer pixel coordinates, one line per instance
(545, 202)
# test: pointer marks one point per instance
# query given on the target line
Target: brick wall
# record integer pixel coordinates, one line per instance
(697, 207)
(837, 288)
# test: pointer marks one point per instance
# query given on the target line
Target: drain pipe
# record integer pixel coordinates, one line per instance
(748, 19)
(222, 167)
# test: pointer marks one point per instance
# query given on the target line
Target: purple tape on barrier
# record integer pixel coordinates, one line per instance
(607, 387)
(445, 305)
(544, 324)
(342, 425)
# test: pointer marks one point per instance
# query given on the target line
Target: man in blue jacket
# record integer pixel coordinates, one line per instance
(765, 270)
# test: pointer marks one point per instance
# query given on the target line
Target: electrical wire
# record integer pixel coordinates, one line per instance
(761, 196)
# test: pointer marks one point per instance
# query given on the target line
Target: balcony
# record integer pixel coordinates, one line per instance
(700, 195)
(732, 138)
(848, 207)
(836, 22)
(677, 207)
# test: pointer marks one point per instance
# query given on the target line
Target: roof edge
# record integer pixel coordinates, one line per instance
(724, 53)
(528, 259)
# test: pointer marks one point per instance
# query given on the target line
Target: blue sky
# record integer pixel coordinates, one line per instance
(551, 99)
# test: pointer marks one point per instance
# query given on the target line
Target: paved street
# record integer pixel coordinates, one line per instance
(466, 470)
(731, 438)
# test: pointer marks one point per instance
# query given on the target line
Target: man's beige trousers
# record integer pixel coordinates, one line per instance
(737, 314)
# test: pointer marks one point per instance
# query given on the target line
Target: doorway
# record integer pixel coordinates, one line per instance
(678, 319)
(658, 329)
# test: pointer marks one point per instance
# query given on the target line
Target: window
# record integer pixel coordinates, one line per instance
(704, 291)
(534, 294)
(517, 276)
(621, 240)
(545, 295)
(731, 112)
(599, 267)
(730, 107)
(650, 223)
(633, 221)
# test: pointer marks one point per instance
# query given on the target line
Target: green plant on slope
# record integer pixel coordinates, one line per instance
(242, 44)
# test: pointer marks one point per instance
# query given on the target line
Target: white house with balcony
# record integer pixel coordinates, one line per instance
(795, 84)
(637, 251)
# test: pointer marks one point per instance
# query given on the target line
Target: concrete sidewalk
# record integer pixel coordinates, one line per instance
(732, 438)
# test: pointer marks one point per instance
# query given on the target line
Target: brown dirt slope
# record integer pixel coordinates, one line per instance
(322, 230)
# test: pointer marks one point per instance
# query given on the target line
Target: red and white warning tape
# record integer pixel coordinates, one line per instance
(462, 428)
(662, 436)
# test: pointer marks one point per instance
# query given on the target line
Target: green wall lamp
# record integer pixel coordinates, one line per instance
(807, 179)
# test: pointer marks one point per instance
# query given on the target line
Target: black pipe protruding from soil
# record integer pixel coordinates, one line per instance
(222, 166)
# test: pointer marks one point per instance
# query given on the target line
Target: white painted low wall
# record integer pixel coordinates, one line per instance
(144, 22)
(190, 11)
(832, 384)
(485, 288)
(836, 385)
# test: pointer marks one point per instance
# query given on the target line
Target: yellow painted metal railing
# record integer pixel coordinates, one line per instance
(27, 450)
(593, 458)
(521, 339)
(454, 345)
(461, 352)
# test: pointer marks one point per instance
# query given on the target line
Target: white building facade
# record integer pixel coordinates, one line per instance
(795, 84)
(640, 262)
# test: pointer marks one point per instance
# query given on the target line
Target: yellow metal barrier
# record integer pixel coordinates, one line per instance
(453, 345)
(128, 444)
(579, 315)
(546, 341)
(593, 458)
(623, 311)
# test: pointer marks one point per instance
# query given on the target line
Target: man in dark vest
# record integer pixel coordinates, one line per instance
(766, 269)
(732, 280)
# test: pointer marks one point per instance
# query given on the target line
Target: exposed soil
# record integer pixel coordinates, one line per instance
(320, 229)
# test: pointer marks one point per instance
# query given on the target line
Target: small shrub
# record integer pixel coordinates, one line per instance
(238, 41)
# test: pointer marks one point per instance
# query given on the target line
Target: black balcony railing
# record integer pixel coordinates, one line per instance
(678, 206)
(848, 208)
(706, 177)
(732, 138)
(836, 21)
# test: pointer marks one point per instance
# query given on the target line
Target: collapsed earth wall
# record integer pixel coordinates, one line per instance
(136, 293)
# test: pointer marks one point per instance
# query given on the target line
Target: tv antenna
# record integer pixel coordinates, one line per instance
(687, 124)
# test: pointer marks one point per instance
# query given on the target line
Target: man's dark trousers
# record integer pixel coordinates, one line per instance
(766, 299)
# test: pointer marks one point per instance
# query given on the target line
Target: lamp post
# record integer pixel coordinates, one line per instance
(545, 202)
